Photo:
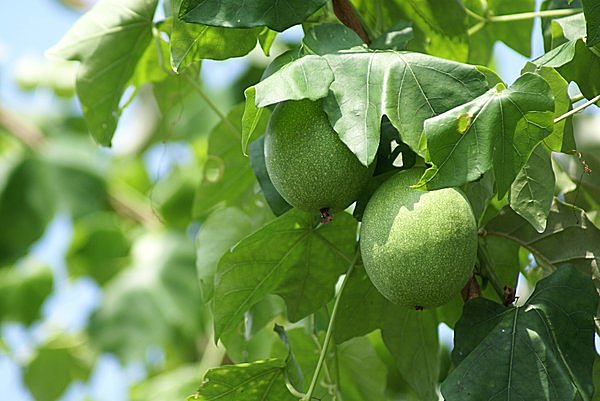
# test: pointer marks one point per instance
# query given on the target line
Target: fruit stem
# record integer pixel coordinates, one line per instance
(326, 217)
(329, 332)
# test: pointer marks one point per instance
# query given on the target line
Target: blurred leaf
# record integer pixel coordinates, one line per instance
(497, 130)
(245, 382)
(174, 195)
(55, 365)
(228, 179)
(515, 34)
(23, 290)
(109, 40)
(276, 202)
(147, 303)
(569, 236)
(27, 203)
(99, 248)
(302, 265)
(592, 18)
(541, 351)
(241, 14)
(411, 336)
(355, 357)
(218, 232)
(191, 43)
(575, 62)
(532, 191)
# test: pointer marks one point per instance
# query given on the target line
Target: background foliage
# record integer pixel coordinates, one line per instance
(202, 269)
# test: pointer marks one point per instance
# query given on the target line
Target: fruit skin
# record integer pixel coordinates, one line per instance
(418, 247)
(307, 162)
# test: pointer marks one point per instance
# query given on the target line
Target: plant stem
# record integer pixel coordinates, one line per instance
(521, 16)
(196, 86)
(329, 333)
(577, 109)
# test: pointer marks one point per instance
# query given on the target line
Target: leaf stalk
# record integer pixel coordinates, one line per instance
(577, 109)
(329, 333)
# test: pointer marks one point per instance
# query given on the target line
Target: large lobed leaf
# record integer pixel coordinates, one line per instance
(277, 15)
(109, 40)
(290, 256)
(362, 86)
(569, 236)
(543, 350)
(497, 130)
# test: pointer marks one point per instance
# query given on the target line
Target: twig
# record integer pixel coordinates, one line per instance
(26, 133)
(577, 109)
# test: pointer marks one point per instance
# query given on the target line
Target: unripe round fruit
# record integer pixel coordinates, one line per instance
(307, 162)
(418, 247)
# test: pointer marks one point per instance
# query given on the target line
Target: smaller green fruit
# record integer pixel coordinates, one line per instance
(418, 247)
(307, 161)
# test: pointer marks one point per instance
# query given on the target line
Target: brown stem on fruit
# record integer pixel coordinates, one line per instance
(418, 308)
(345, 13)
(325, 216)
(471, 290)
(509, 295)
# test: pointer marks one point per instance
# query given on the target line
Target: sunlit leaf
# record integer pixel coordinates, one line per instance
(497, 130)
(242, 14)
(302, 265)
(108, 40)
(543, 350)
(261, 380)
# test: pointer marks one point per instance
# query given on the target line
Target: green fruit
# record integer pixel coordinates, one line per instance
(418, 247)
(307, 162)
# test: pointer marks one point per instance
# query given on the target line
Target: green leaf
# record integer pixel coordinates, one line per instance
(109, 40)
(552, 31)
(262, 380)
(330, 38)
(575, 62)
(173, 384)
(408, 88)
(561, 139)
(411, 336)
(543, 350)
(532, 191)
(479, 193)
(242, 14)
(27, 203)
(569, 236)
(228, 179)
(148, 303)
(219, 231)
(515, 34)
(499, 129)
(23, 290)
(99, 248)
(290, 257)
(356, 357)
(276, 202)
(293, 371)
(592, 18)
(191, 43)
(395, 38)
(67, 358)
(441, 26)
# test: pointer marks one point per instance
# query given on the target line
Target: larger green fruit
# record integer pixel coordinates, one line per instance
(418, 247)
(306, 160)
